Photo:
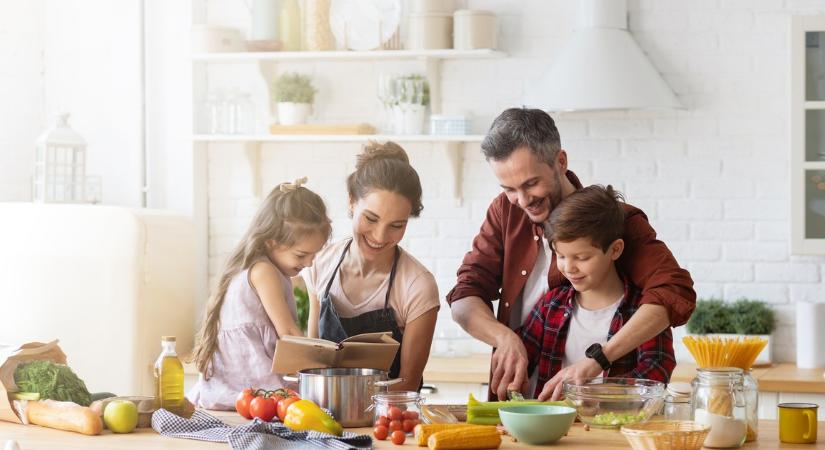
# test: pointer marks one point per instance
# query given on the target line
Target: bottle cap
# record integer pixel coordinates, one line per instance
(168, 339)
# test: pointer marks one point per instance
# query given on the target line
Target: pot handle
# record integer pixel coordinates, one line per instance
(291, 378)
(388, 382)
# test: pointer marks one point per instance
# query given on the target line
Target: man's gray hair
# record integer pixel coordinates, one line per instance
(522, 127)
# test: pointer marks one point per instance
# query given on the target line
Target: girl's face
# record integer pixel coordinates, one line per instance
(291, 260)
(379, 222)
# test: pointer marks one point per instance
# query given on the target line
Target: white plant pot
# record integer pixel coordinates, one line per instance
(408, 118)
(290, 113)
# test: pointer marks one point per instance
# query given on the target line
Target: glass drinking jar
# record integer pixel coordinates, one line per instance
(400, 410)
(677, 401)
(751, 388)
(718, 400)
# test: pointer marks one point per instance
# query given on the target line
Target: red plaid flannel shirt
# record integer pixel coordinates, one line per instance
(545, 333)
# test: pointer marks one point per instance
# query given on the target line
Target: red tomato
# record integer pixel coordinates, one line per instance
(242, 403)
(283, 404)
(263, 408)
(380, 432)
(398, 437)
(394, 413)
(413, 415)
(382, 420)
(407, 425)
(396, 425)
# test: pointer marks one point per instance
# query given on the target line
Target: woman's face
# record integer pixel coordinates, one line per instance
(379, 221)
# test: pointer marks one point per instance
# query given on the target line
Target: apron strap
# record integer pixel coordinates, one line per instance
(392, 275)
(337, 266)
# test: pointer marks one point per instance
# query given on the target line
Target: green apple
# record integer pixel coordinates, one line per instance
(120, 416)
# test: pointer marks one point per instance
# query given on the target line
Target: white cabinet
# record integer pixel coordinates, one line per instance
(808, 135)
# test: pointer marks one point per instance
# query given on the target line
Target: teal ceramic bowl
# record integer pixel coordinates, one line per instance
(537, 424)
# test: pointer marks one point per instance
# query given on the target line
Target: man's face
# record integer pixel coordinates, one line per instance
(533, 185)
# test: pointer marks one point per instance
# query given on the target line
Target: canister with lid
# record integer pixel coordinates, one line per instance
(718, 400)
(429, 31)
(475, 29)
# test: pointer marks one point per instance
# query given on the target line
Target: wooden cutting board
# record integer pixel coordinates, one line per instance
(359, 128)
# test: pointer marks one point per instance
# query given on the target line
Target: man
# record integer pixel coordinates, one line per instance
(511, 261)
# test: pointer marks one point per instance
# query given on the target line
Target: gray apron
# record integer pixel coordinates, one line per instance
(335, 328)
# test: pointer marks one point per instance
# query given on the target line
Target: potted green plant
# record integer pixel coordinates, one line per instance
(293, 93)
(411, 97)
(744, 317)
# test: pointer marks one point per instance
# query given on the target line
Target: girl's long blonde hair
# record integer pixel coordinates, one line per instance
(289, 213)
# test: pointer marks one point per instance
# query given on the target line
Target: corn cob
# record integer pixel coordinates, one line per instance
(467, 438)
(425, 430)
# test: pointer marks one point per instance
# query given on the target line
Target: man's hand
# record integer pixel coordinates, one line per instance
(509, 365)
(580, 371)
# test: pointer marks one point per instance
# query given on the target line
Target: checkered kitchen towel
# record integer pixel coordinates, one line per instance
(255, 435)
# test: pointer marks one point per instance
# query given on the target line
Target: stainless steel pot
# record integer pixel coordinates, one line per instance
(347, 393)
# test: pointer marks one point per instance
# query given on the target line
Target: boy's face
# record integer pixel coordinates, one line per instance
(585, 265)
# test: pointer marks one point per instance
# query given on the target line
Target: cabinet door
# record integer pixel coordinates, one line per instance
(808, 135)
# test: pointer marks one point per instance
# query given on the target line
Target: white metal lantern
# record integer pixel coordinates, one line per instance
(60, 164)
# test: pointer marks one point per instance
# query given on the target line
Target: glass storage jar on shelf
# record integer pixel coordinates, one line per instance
(718, 400)
(400, 410)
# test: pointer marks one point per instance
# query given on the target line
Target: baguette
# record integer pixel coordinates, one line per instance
(68, 416)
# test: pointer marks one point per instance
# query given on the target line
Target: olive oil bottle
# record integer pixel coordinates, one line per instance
(169, 378)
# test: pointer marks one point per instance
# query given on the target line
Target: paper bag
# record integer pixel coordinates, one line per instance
(13, 355)
(368, 351)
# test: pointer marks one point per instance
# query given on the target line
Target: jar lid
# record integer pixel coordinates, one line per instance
(474, 12)
(679, 389)
(429, 14)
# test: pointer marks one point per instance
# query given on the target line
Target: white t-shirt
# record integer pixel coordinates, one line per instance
(586, 328)
(534, 289)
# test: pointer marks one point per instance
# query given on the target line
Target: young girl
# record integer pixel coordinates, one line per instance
(367, 282)
(253, 304)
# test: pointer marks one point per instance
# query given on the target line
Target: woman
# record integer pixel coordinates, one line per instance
(367, 283)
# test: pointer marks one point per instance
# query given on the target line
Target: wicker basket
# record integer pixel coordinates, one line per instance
(666, 435)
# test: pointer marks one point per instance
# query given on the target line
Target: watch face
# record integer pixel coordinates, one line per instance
(592, 350)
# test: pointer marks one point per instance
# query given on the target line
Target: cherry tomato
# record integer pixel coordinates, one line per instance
(380, 432)
(396, 425)
(282, 406)
(407, 425)
(413, 415)
(394, 413)
(263, 408)
(382, 420)
(398, 437)
(242, 402)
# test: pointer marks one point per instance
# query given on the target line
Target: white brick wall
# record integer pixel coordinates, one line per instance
(713, 179)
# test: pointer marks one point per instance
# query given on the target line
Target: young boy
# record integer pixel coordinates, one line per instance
(571, 322)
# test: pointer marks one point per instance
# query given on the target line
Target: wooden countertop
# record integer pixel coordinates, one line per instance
(38, 438)
(783, 377)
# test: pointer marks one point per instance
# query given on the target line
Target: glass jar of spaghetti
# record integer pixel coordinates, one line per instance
(718, 400)
(751, 389)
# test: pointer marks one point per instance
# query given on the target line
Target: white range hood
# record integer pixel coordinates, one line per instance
(601, 67)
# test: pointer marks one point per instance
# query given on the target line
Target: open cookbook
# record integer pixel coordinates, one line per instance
(368, 350)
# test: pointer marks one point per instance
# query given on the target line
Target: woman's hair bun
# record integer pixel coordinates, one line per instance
(376, 150)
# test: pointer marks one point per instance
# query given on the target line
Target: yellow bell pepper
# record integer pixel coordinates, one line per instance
(304, 415)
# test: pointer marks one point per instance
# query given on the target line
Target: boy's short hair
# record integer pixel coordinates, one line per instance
(594, 212)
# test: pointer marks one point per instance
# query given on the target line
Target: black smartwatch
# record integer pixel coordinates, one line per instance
(595, 352)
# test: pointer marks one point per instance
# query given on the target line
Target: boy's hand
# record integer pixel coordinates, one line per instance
(509, 365)
(580, 371)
